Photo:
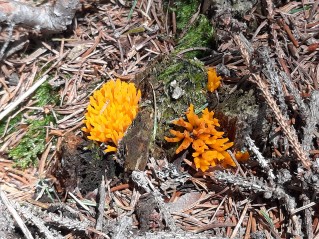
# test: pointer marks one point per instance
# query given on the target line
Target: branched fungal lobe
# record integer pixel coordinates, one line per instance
(207, 142)
(111, 111)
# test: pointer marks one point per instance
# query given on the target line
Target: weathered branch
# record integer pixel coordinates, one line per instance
(261, 160)
(45, 18)
(246, 50)
(15, 215)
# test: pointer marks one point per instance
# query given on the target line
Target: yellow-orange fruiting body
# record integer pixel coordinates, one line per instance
(213, 79)
(242, 156)
(207, 142)
(111, 111)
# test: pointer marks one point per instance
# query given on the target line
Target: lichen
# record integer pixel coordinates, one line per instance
(238, 8)
(242, 106)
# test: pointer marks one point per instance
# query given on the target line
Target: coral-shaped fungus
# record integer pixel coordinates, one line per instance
(242, 156)
(111, 111)
(213, 79)
(207, 142)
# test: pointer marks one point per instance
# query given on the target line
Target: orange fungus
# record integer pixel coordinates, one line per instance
(208, 144)
(110, 112)
(213, 79)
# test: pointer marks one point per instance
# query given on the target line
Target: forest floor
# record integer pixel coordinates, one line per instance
(56, 183)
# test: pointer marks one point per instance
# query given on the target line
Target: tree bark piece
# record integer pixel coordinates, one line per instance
(46, 18)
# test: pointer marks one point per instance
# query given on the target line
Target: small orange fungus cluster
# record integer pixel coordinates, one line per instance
(242, 156)
(111, 111)
(213, 79)
(207, 142)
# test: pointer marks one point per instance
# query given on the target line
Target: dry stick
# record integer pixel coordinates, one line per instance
(17, 46)
(217, 209)
(6, 43)
(245, 49)
(311, 204)
(289, 33)
(307, 217)
(193, 49)
(79, 202)
(236, 162)
(260, 158)
(15, 215)
(240, 221)
(100, 206)
(43, 158)
(53, 18)
(23, 97)
(30, 90)
(313, 10)
(264, 23)
(39, 223)
(248, 227)
(291, 135)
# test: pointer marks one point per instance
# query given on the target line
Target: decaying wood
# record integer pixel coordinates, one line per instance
(39, 223)
(142, 181)
(261, 160)
(101, 205)
(190, 203)
(45, 18)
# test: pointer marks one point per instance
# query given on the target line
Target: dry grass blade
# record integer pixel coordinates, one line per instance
(243, 214)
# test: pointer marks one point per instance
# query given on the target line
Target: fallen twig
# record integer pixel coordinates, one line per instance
(15, 215)
(49, 18)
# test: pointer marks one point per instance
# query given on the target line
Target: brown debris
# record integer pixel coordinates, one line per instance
(106, 44)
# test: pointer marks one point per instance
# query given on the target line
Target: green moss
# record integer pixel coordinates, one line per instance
(184, 83)
(45, 95)
(199, 35)
(32, 144)
(191, 32)
(184, 12)
(12, 124)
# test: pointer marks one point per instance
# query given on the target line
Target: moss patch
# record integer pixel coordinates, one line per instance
(183, 82)
(45, 95)
(184, 12)
(12, 124)
(32, 144)
(199, 35)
